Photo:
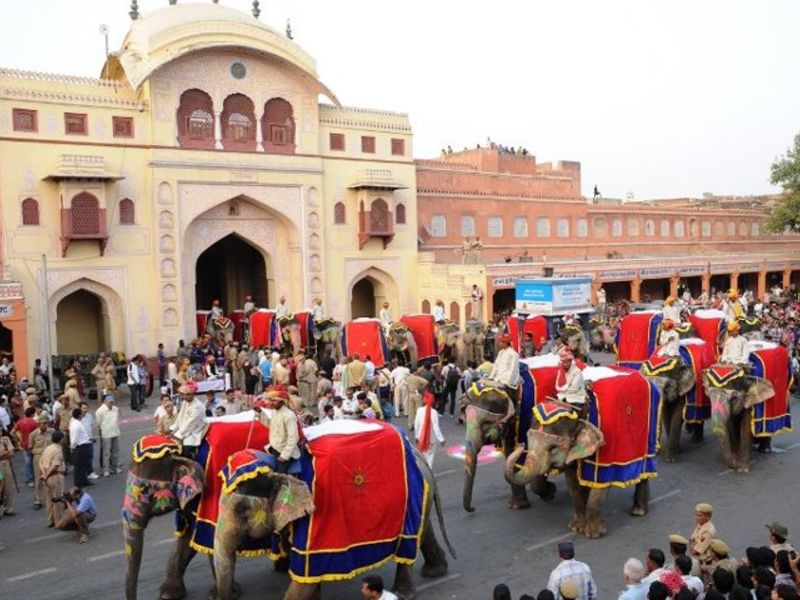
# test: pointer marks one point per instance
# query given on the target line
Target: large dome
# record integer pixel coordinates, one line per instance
(166, 34)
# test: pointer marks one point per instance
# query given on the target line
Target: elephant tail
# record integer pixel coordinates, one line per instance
(437, 502)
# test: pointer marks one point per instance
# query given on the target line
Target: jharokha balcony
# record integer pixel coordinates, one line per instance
(377, 222)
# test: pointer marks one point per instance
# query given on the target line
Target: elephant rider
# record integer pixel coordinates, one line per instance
(282, 310)
(734, 351)
(505, 371)
(570, 386)
(318, 311)
(385, 317)
(249, 308)
(438, 312)
(283, 433)
(216, 310)
(733, 308)
(191, 420)
(569, 320)
(668, 339)
(702, 536)
(671, 311)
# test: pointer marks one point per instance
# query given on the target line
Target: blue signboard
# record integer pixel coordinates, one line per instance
(554, 295)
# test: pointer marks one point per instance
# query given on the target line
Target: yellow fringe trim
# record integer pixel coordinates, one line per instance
(229, 489)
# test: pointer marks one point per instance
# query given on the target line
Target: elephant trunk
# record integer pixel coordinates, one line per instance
(134, 537)
(472, 446)
(523, 475)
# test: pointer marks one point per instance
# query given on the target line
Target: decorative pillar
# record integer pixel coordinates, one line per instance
(734, 283)
(218, 130)
(636, 284)
(596, 285)
(762, 284)
(787, 279)
(705, 284)
(673, 286)
(259, 137)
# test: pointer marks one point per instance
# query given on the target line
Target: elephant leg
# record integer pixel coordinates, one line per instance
(404, 582)
(641, 498)
(302, 591)
(435, 560)
(579, 495)
(472, 446)
(725, 442)
(134, 539)
(519, 499)
(674, 432)
(223, 563)
(595, 526)
(173, 587)
(542, 487)
(745, 443)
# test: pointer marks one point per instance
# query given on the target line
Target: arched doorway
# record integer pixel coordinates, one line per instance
(362, 300)
(227, 271)
(6, 341)
(81, 324)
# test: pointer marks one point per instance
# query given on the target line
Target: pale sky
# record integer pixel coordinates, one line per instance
(661, 99)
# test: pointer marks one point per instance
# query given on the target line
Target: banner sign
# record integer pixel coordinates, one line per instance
(656, 272)
(554, 295)
(693, 270)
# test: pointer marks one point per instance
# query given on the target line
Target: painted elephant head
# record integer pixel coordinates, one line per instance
(290, 333)
(554, 446)
(328, 331)
(448, 334)
(399, 337)
(737, 396)
(674, 383)
(221, 329)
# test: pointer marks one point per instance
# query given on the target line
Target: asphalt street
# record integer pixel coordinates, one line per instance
(494, 544)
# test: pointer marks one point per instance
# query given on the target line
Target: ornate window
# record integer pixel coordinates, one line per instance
(398, 147)
(665, 228)
(731, 228)
(705, 228)
(438, 226)
(678, 228)
(122, 126)
(494, 226)
(277, 126)
(649, 227)
(127, 212)
(25, 120)
(467, 225)
(633, 227)
(238, 123)
(339, 214)
(755, 229)
(368, 144)
(581, 228)
(400, 214)
(30, 212)
(562, 228)
(196, 120)
(336, 141)
(379, 216)
(76, 123)
(520, 227)
(542, 227)
(616, 227)
(719, 228)
(599, 225)
(85, 215)
(455, 315)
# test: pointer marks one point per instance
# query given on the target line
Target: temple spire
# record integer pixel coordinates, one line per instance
(289, 29)
(134, 12)
(256, 10)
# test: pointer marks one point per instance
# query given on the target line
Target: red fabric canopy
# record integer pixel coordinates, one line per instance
(423, 328)
(261, 328)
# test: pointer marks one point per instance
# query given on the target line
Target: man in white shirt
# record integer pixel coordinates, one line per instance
(505, 370)
(671, 311)
(633, 571)
(734, 351)
(372, 589)
(385, 316)
(570, 386)
(426, 429)
(107, 418)
(318, 311)
(400, 387)
(438, 312)
(282, 309)
(572, 570)
(349, 404)
(683, 567)
(190, 422)
(87, 420)
(654, 562)
(79, 442)
(668, 339)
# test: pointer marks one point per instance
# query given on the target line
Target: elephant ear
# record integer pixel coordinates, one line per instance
(686, 382)
(760, 391)
(586, 441)
(292, 501)
(189, 481)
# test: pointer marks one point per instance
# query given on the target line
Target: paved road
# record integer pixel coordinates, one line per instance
(494, 544)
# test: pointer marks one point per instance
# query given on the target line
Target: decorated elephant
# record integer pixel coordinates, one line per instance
(621, 454)
(402, 344)
(290, 337)
(474, 337)
(674, 380)
(220, 328)
(360, 514)
(160, 481)
(685, 330)
(602, 336)
(750, 327)
(448, 336)
(574, 339)
(491, 417)
(328, 334)
(734, 396)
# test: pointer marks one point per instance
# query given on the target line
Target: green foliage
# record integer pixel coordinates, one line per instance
(786, 172)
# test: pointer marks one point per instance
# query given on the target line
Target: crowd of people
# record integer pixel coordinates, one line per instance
(700, 567)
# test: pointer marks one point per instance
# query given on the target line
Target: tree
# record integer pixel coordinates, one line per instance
(786, 172)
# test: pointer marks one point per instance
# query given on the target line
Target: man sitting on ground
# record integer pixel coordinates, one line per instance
(81, 511)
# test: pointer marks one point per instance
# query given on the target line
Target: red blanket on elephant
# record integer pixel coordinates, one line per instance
(261, 333)
(369, 498)
(536, 325)
(201, 319)
(637, 336)
(699, 355)
(708, 324)
(423, 329)
(771, 361)
(222, 440)
(306, 322)
(365, 338)
(625, 407)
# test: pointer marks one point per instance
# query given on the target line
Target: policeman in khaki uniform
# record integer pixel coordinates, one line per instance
(51, 471)
(703, 534)
(679, 545)
(722, 558)
(9, 492)
(38, 440)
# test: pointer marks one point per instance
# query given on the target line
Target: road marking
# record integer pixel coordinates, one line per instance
(25, 576)
(443, 473)
(52, 536)
(106, 555)
(427, 586)
(664, 496)
(793, 446)
(164, 541)
(560, 538)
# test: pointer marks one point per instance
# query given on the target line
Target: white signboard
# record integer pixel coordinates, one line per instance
(6, 310)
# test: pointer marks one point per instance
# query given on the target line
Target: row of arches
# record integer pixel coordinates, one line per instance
(379, 210)
(454, 313)
(84, 215)
(238, 126)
